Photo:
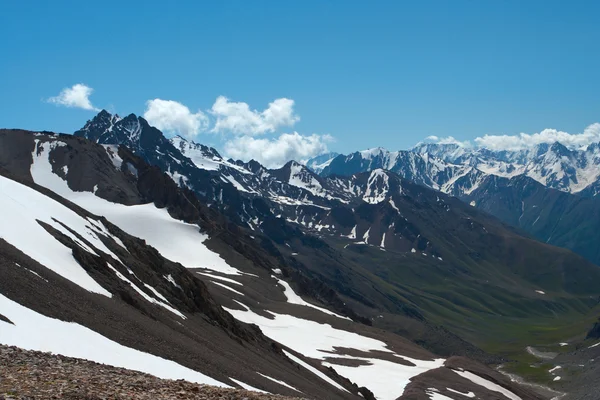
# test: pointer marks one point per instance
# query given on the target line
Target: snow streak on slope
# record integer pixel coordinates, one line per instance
(299, 177)
(319, 341)
(20, 209)
(314, 371)
(248, 387)
(434, 395)
(175, 240)
(203, 157)
(293, 298)
(147, 297)
(487, 384)
(377, 187)
(33, 331)
(279, 382)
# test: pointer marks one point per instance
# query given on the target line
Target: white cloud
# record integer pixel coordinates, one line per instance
(591, 134)
(275, 152)
(447, 140)
(173, 117)
(77, 96)
(238, 118)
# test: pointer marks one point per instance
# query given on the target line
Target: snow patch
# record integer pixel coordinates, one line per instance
(319, 341)
(227, 287)
(487, 384)
(222, 278)
(34, 331)
(293, 298)
(314, 371)
(279, 382)
(176, 240)
(377, 187)
(21, 208)
(248, 387)
(469, 394)
(145, 296)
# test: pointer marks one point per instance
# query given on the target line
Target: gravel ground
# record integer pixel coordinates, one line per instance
(28, 375)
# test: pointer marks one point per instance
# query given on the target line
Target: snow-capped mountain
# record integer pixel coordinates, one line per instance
(419, 168)
(439, 165)
(552, 165)
(251, 194)
(492, 180)
(318, 163)
(204, 157)
(151, 278)
(320, 262)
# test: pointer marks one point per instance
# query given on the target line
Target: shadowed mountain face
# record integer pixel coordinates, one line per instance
(550, 215)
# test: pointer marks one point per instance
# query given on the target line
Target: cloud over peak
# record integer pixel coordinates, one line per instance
(76, 96)
(238, 118)
(524, 141)
(591, 134)
(275, 152)
(446, 140)
(173, 117)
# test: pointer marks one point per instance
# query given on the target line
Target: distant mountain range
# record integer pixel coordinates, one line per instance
(440, 165)
(549, 190)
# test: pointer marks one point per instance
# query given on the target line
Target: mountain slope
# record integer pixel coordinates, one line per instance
(322, 205)
(159, 311)
(551, 216)
(531, 189)
(400, 256)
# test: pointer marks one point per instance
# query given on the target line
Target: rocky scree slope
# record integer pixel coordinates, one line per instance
(36, 375)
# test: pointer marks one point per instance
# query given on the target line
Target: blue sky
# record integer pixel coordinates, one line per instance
(367, 73)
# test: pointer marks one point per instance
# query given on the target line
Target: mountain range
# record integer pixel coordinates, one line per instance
(379, 274)
(548, 191)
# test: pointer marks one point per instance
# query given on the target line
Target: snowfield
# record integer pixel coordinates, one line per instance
(21, 207)
(34, 331)
(175, 240)
(386, 379)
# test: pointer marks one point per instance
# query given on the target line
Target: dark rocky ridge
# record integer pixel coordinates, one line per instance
(550, 212)
(594, 333)
(211, 340)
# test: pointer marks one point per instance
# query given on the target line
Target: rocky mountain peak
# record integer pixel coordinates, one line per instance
(187, 146)
(560, 149)
(100, 124)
